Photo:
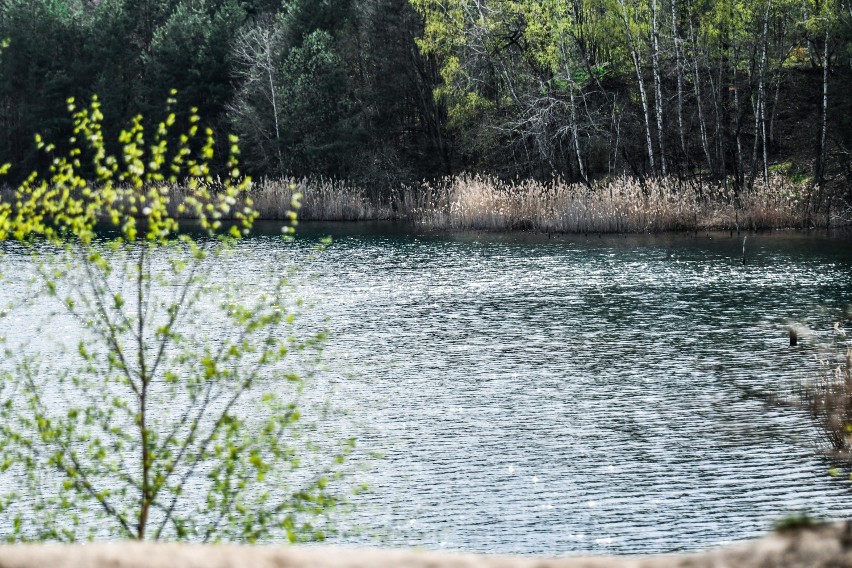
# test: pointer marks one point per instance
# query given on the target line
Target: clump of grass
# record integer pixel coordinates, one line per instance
(795, 522)
(829, 400)
(323, 200)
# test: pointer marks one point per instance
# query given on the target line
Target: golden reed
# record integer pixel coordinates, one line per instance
(617, 205)
(620, 205)
(829, 400)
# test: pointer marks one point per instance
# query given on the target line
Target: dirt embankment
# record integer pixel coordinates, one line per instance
(825, 546)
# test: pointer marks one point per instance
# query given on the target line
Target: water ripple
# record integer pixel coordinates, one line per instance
(581, 396)
(572, 395)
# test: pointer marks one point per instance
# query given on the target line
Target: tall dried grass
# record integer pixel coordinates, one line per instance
(829, 400)
(622, 205)
(322, 200)
(619, 205)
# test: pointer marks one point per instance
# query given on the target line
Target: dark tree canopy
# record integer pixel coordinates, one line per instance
(390, 91)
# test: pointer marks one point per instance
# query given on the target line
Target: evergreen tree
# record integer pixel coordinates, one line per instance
(41, 67)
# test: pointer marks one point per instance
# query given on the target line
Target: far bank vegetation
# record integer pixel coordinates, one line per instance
(619, 205)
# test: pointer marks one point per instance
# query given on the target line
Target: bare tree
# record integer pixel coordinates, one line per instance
(658, 90)
(823, 127)
(256, 105)
(679, 73)
(636, 56)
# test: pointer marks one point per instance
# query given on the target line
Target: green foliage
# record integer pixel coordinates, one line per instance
(175, 415)
(39, 69)
(295, 110)
(301, 18)
(318, 110)
(188, 53)
(392, 91)
(794, 172)
(795, 522)
(551, 81)
(132, 53)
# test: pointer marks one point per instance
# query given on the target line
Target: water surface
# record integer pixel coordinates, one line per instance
(571, 395)
(583, 394)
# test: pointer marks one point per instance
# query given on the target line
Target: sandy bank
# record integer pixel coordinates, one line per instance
(826, 546)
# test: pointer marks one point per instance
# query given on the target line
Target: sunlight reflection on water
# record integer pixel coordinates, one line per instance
(571, 395)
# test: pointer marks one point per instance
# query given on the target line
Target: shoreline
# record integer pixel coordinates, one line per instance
(617, 206)
(622, 205)
(812, 546)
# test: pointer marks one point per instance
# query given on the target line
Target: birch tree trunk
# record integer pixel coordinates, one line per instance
(576, 135)
(679, 72)
(718, 142)
(759, 106)
(705, 144)
(255, 54)
(737, 135)
(761, 94)
(658, 90)
(821, 151)
(637, 64)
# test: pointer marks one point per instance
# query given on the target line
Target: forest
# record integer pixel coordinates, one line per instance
(389, 92)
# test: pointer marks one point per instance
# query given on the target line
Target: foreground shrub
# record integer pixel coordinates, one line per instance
(171, 410)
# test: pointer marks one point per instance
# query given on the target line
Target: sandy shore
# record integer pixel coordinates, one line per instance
(824, 547)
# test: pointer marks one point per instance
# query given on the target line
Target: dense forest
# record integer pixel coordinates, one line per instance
(390, 91)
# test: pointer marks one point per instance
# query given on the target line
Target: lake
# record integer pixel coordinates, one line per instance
(572, 394)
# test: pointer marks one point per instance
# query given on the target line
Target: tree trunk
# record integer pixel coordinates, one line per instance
(762, 96)
(658, 90)
(637, 64)
(679, 71)
(702, 123)
(715, 88)
(268, 36)
(760, 104)
(737, 134)
(576, 135)
(819, 170)
(146, 489)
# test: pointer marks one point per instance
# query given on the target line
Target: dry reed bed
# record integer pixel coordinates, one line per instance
(623, 205)
(620, 205)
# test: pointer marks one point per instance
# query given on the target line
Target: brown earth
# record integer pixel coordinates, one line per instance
(827, 546)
